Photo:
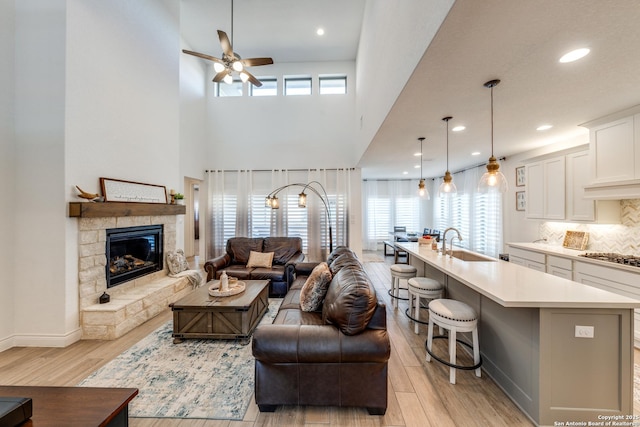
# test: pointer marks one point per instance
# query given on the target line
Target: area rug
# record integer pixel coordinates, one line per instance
(205, 379)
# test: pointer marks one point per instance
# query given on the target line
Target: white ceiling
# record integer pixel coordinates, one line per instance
(518, 42)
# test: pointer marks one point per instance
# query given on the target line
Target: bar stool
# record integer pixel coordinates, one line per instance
(400, 271)
(457, 317)
(421, 287)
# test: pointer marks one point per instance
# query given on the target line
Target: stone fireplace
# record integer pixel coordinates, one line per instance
(133, 300)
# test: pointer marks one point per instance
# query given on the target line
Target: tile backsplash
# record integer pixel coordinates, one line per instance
(622, 238)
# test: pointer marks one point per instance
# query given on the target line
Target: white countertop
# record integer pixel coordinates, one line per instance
(572, 254)
(512, 285)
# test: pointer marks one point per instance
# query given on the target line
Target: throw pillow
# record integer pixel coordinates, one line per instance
(177, 262)
(315, 288)
(260, 259)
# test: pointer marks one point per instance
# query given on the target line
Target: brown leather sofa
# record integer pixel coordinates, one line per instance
(336, 356)
(286, 252)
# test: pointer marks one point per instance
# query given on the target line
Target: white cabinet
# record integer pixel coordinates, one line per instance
(580, 208)
(613, 146)
(546, 189)
(559, 266)
(529, 259)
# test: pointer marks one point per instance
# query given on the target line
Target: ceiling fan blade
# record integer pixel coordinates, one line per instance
(202, 55)
(221, 75)
(252, 79)
(225, 43)
(254, 62)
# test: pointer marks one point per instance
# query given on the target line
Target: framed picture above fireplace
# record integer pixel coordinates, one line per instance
(117, 190)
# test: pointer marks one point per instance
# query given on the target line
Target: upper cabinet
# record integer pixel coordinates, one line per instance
(556, 191)
(614, 148)
(546, 189)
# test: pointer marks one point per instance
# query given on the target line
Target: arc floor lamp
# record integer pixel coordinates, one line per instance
(272, 201)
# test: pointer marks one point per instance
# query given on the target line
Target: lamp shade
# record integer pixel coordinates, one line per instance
(493, 180)
(447, 188)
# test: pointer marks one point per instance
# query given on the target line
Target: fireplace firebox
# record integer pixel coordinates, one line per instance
(133, 252)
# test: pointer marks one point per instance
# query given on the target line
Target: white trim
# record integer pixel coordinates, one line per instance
(52, 340)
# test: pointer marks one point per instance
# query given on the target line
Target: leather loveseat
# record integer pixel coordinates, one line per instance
(286, 251)
(334, 356)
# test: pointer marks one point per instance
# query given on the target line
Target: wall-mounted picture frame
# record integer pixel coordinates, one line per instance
(117, 190)
(520, 176)
(521, 201)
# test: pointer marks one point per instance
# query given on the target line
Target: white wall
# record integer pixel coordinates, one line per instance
(39, 244)
(7, 170)
(97, 90)
(394, 37)
(284, 132)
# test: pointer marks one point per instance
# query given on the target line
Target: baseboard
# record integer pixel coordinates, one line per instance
(7, 343)
(64, 340)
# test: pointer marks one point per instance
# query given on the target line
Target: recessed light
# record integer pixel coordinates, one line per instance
(405, 173)
(574, 55)
(544, 127)
(475, 153)
(458, 128)
(418, 154)
(320, 31)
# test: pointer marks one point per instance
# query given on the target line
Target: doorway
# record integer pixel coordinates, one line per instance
(192, 217)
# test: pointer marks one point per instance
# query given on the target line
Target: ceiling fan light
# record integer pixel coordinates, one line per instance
(237, 65)
(228, 79)
(244, 77)
(218, 67)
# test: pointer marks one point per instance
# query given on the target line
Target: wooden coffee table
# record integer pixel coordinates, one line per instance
(199, 315)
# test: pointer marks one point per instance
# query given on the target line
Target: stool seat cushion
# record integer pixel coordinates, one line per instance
(403, 268)
(453, 310)
(425, 284)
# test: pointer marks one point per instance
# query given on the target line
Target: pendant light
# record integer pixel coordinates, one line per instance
(422, 188)
(447, 187)
(493, 180)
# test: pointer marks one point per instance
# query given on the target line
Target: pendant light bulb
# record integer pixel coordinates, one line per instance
(447, 187)
(493, 180)
(422, 188)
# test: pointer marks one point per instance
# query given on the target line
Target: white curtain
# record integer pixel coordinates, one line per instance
(477, 216)
(389, 203)
(237, 207)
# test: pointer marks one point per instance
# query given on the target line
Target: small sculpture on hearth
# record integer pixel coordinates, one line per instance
(94, 197)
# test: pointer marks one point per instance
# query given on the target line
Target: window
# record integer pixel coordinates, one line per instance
(332, 85)
(297, 86)
(269, 87)
(233, 89)
(478, 216)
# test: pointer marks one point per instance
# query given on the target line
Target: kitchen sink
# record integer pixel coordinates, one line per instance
(471, 256)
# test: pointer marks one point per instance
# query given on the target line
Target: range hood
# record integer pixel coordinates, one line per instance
(618, 190)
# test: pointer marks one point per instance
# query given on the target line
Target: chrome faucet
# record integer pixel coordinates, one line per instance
(444, 239)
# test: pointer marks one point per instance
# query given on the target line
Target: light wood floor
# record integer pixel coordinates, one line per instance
(419, 393)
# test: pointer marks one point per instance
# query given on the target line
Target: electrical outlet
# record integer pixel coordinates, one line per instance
(584, 331)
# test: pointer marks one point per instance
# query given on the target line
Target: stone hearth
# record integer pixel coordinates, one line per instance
(132, 303)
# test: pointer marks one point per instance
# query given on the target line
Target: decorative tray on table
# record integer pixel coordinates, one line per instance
(234, 288)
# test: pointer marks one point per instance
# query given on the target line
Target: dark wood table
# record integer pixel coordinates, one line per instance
(199, 315)
(75, 406)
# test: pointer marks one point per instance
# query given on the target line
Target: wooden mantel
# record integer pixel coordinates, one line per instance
(115, 209)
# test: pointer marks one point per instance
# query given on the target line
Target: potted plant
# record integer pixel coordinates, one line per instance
(179, 198)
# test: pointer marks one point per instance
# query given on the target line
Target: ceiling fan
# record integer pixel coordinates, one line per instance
(231, 61)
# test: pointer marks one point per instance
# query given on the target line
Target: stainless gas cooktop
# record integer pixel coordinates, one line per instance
(631, 260)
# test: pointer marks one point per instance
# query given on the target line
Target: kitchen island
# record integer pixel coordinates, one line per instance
(561, 350)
